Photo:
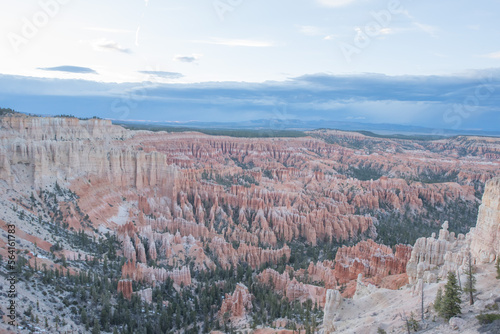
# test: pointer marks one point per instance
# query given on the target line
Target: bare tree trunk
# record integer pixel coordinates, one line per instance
(422, 300)
(470, 282)
(404, 317)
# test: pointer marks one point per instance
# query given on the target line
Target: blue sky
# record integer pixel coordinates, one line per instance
(424, 63)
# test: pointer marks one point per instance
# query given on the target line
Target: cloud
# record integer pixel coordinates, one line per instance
(435, 101)
(386, 31)
(163, 74)
(69, 69)
(431, 30)
(492, 55)
(137, 35)
(238, 42)
(310, 30)
(109, 30)
(108, 45)
(335, 3)
(187, 59)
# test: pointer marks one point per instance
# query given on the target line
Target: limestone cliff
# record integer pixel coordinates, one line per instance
(485, 243)
(433, 258)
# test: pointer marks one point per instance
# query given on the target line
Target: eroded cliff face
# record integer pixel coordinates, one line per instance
(377, 263)
(485, 239)
(291, 288)
(371, 260)
(431, 260)
(236, 307)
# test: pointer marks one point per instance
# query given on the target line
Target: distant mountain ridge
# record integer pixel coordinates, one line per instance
(301, 125)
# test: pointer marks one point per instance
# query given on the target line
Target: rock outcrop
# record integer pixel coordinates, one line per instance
(291, 288)
(141, 272)
(371, 260)
(485, 243)
(433, 258)
(125, 287)
(363, 289)
(333, 302)
(146, 295)
(236, 306)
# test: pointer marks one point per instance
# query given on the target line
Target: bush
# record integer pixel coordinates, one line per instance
(487, 318)
(450, 305)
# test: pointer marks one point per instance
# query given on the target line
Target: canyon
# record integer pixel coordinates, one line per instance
(430, 261)
(299, 218)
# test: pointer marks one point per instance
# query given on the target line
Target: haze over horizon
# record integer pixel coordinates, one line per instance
(397, 62)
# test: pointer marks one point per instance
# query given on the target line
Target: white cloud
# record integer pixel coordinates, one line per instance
(137, 35)
(238, 42)
(310, 30)
(187, 59)
(431, 30)
(163, 74)
(386, 31)
(334, 3)
(492, 55)
(109, 30)
(108, 45)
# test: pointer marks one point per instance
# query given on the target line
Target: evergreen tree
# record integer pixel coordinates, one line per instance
(497, 266)
(470, 285)
(450, 306)
(438, 302)
(96, 329)
(83, 315)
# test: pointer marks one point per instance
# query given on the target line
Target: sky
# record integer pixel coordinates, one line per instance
(425, 63)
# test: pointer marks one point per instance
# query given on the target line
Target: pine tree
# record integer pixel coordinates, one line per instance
(470, 285)
(497, 266)
(450, 306)
(438, 302)
(96, 329)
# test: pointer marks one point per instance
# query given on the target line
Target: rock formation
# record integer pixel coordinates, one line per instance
(236, 306)
(485, 243)
(363, 289)
(146, 295)
(141, 272)
(125, 287)
(176, 200)
(291, 288)
(333, 302)
(433, 258)
(371, 260)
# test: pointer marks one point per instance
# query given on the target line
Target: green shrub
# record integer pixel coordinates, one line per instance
(487, 318)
